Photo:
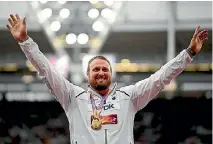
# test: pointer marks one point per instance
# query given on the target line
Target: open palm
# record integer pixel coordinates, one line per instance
(198, 39)
(17, 28)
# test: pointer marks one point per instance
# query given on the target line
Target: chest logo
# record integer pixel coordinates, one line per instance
(109, 106)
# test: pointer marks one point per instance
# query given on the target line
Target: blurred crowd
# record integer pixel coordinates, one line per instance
(176, 121)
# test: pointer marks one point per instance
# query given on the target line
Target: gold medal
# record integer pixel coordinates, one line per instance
(96, 121)
(96, 124)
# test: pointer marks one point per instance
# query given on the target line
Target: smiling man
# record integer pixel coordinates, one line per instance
(102, 114)
(99, 73)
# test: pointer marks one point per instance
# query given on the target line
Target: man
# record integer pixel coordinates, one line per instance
(102, 114)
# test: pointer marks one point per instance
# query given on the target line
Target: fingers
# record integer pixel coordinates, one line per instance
(24, 21)
(203, 34)
(196, 31)
(13, 18)
(11, 22)
(8, 27)
(204, 40)
(17, 17)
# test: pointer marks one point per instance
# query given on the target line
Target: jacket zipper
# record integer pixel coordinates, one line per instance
(106, 136)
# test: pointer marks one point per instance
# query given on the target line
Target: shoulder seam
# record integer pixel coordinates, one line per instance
(123, 92)
(80, 94)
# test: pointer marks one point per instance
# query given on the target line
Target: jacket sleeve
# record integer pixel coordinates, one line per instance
(60, 87)
(145, 90)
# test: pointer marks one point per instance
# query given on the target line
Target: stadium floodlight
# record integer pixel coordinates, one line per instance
(83, 38)
(109, 2)
(47, 13)
(64, 13)
(71, 38)
(94, 1)
(55, 26)
(108, 14)
(98, 26)
(93, 13)
(62, 1)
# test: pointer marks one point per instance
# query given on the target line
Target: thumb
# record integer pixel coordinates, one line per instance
(24, 21)
(196, 31)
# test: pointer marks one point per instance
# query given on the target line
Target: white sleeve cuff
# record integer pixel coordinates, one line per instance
(28, 41)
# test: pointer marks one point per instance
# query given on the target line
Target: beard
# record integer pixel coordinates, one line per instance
(99, 86)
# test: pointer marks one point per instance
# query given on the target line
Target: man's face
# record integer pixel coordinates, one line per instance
(99, 75)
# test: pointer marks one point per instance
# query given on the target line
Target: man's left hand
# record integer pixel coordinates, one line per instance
(198, 39)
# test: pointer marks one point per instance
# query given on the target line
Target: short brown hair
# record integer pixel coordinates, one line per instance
(98, 57)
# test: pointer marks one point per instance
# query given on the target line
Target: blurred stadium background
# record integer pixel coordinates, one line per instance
(137, 37)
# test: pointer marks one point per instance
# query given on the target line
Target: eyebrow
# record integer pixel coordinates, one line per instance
(99, 67)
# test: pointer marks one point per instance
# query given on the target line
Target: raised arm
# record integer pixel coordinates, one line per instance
(60, 87)
(145, 90)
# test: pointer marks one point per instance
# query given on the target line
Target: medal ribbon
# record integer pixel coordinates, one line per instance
(94, 107)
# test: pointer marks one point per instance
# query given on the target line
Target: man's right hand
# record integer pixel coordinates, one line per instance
(17, 28)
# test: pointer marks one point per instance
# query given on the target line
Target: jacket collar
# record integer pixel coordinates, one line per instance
(111, 90)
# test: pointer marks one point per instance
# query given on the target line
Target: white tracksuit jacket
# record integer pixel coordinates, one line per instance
(124, 102)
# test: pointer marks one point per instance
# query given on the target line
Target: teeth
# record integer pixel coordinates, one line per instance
(100, 78)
